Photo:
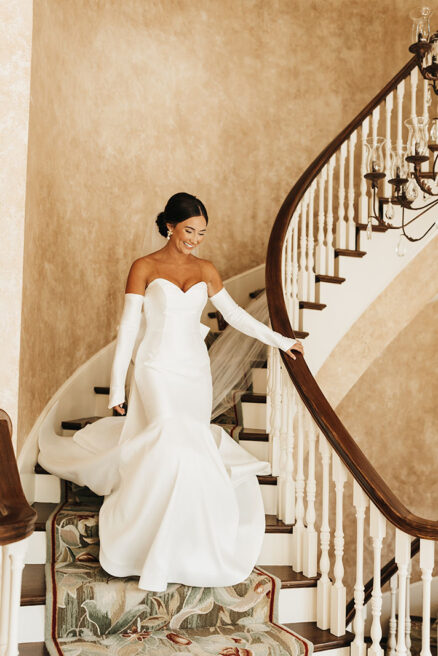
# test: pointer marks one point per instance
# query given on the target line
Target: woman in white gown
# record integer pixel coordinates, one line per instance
(182, 501)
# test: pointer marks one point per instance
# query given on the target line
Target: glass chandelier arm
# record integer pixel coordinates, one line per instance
(237, 317)
(127, 333)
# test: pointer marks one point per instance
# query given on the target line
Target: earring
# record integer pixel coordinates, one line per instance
(169, 233)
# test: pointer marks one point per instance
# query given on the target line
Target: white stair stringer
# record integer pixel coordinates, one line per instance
(366, 278)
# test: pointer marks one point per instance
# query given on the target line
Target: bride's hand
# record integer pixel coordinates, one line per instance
(295, 347)
(119, 409)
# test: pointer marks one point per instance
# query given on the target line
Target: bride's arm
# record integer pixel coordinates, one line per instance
(242, 320)
(127, 333)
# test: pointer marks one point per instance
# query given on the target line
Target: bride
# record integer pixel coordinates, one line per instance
(182, 501)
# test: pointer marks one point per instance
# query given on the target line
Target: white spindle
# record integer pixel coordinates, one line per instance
(269, 393)
(5, 582)
(321, 251)
(377, 533)
(389, 103)
(275, 422)
(303, 289)
(414, 84)
(338, 594)
(427, 556)
(310, 542)
(291, 397)
(402, 558)
(330, 245)
(351, 224)
(295, 274)
(426, 100)
(288, 272)
(13, 557)
(341, 228)
(392, 631)
(299, 529)
(364, 200)
(408, 610)
(311, 244)
(281, 482)
(360, 502)
(375, 118)
(324, 585)
(400, 96)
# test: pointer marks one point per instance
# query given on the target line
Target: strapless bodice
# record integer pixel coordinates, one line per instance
(174, 332)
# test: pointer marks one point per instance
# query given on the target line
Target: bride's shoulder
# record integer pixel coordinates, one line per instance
(210, 273)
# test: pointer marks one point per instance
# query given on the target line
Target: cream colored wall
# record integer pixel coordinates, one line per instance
(134, 101)
(15, 56)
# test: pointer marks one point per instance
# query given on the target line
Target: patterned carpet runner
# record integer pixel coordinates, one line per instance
(90, 612)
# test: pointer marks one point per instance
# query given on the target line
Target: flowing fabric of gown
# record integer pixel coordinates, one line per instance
(182, 503)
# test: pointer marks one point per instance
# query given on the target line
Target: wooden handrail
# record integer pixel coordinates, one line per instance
(310, 392)
(17, 518)
(386, 573)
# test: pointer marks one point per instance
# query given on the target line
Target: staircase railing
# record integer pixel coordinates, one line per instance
(17, 523)
(312, 224)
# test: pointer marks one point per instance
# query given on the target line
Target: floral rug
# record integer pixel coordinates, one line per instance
(90, 612)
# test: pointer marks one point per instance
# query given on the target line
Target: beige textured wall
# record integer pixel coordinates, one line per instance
(15, 56)
(133, 101)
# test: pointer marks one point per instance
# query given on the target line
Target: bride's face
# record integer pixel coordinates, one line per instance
(189, 233)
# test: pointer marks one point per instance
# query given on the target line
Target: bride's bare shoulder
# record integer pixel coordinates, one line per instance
(138, 275)
(212, 276)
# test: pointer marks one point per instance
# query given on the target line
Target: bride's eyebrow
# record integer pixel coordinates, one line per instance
(192, 228)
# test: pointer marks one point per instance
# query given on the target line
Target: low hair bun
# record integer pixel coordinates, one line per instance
(161, 221)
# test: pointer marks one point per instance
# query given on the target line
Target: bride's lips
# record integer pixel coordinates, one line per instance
(188, 245)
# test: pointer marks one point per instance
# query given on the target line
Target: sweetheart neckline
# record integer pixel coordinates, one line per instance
(175, 285)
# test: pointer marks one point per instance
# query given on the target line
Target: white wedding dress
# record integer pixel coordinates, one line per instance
(182, 501)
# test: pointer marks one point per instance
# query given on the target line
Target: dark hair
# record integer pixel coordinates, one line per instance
(178, 208)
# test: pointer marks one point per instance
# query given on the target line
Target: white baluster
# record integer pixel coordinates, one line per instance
(414, 84)
(303, 279)
(310, 542)
(338, 594)
(364, 200)
(402, 558)
(269, 392)
(274, 441)
(408, 610)
(321, 251)
(283, 445)
(288, 272)
(389, 103)
(377, 533)
(299, 528)
(360, 502)
(351, 224)
(13, 558)
(295, 274)
(5, 581)
(330, 268)
(311, 245)
(392, 632)
(375, 118)
(427, 557)
(400, 96)
(289, 488)
(324, 585)
(426, 100)
(341, 227)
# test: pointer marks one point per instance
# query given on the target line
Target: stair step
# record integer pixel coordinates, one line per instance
(256, 292)
(101, 390)
(375, 227)
(320, 638)
(267, 479)
(322, 277)
(253, 397)
(349, 252)
(40, 470)
(289, 578)
(254, 435)
(33, 586)
(311, 305)
(77, 424)
(300, 334)
(275, 525)
(32, 649)
(44, 510)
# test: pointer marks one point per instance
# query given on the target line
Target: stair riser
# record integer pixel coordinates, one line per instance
(254, 415)
(259, 380)
(258, 449)
(339, 651)
(100, 406)
(269, 494)
(295, 605)
(324, 293)
(47, 488)
(276, 549)
(345, 266)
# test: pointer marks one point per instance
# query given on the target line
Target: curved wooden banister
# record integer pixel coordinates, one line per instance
(17, 518)
(386, 573)
(310, 392)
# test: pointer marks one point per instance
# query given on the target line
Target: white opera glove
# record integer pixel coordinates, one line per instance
(127, 333)
(242, 320)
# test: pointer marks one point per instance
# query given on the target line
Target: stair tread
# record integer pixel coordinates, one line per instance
(254, 435)
(32, 649)
(311, 305)
(375, 227)
(289, 578)
(267, 479)
(322, 277)
(253, 397)
(99, 389)
(275, 525)
(349, 252)
(33, 586)
(44, 510)
(321, 639)
(76, 424)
